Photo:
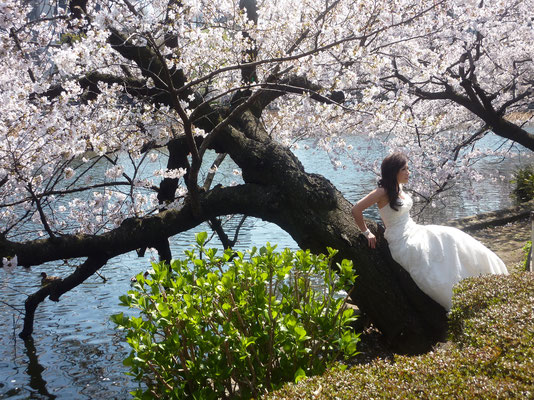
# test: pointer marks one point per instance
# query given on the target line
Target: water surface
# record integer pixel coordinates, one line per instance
(77, 354)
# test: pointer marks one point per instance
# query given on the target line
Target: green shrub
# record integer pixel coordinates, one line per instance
(523, 181)
(236, 325)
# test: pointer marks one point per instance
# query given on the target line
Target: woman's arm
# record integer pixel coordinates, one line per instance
(357, 212)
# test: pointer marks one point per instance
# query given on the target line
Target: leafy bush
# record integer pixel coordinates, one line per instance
(237, 325)
(490, 354)
(523, 181)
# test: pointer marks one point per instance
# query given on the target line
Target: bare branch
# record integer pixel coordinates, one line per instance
(136, 233)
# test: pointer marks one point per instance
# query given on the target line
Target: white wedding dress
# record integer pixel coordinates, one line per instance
(437, 257)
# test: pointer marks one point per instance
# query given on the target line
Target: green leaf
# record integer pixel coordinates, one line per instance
(301, 332)
(331, 252)
(136, 322)
(128, 361)
(125, 300)
(213, 278)
(118, 319)
(299, 375)
(201, 238)
(163, 309)
(290, 321)
(227, 281)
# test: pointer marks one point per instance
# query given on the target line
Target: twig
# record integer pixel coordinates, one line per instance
(158, 376)
(102, 276)
(11, 306)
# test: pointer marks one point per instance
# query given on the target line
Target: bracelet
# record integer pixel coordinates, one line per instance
(367, 233)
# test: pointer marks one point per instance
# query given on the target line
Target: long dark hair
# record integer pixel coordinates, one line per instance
(391, 166)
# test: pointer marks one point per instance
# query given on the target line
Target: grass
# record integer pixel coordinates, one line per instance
(489, 354)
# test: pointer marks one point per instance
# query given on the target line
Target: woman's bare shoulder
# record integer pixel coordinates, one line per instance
(376, 196)
(382, 198)
(379, 194)
(380, 191)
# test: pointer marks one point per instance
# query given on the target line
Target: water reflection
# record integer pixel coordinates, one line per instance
(34, 370)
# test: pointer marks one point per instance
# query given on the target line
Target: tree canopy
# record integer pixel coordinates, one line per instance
(109, 108)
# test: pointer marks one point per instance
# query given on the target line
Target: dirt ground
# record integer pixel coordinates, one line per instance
(506, 240)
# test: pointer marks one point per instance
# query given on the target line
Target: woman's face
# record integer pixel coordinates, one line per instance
(403, 175)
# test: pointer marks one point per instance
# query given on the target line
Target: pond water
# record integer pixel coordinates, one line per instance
(76, 353)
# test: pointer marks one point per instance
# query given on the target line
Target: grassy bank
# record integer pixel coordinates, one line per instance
(490, 353)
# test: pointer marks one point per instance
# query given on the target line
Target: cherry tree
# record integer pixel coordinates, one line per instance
(112, 112)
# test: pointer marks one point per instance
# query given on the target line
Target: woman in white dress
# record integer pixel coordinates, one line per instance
(436, 257)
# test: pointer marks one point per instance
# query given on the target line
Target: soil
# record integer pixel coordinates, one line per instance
(507, 240)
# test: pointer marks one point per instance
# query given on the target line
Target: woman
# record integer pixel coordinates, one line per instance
(437, 257)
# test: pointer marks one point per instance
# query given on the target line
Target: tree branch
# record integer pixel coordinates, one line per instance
(135, 233)
(57, 288)
(480, 106)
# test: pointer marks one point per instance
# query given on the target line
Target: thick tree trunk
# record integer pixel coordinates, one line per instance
(317, 216)
(276, 189)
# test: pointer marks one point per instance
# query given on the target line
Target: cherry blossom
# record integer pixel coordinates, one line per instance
(82, 122)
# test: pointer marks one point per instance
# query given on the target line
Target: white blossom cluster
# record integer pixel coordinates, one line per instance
(78, 161)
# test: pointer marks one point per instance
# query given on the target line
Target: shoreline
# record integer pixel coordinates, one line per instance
(504, 231)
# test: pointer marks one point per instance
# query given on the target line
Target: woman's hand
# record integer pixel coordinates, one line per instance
(371, 239)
